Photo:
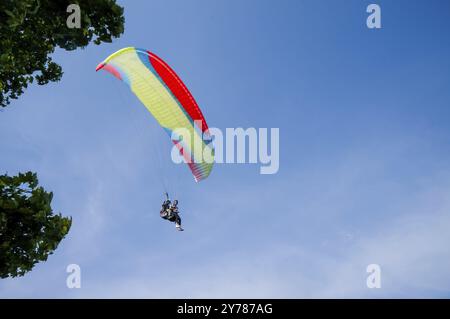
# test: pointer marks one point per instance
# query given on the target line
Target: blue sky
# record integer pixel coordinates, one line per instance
(364, 155)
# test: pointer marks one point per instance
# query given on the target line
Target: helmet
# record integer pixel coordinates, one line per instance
(175, 202)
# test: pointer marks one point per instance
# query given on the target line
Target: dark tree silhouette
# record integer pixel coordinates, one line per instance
(30, 30)
(29, 230)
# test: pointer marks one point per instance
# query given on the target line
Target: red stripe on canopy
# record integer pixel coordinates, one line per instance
(178, 89)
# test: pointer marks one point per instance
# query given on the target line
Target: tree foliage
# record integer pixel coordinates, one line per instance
(30, 30)
(29, 231)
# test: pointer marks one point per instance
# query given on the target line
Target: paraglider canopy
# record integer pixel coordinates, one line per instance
(163, 93)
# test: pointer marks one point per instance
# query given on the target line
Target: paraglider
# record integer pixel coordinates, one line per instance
(169, 211)
(166, 97)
